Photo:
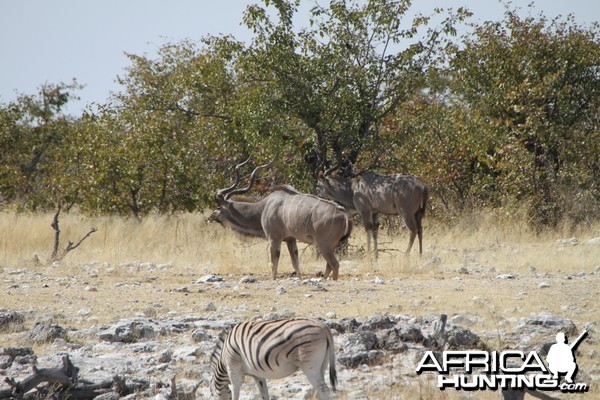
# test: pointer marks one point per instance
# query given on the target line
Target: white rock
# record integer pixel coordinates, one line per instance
(567, 242)
(463, 320)
(210, 279)
(248, 279)
(506, 276)
(417, 302)
(280, 290)
(432, 262)
(312, 280)
(185, 352)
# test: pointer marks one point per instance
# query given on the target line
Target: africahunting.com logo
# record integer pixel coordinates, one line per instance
(510, 369)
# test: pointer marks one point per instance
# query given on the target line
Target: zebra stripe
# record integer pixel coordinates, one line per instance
(272, 349)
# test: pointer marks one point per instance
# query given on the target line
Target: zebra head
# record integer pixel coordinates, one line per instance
(219, 383)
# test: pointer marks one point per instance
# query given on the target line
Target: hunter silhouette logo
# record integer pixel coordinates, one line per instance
(561, 358)
(508, 369)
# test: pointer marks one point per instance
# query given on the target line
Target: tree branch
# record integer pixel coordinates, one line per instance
(70, 246)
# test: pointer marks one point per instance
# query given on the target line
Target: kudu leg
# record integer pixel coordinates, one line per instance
(412, 225)
(371, 223)
(333, 264)
(376, 234)
(293, 249)
(419, 218)
(411, 241)
(275, 249)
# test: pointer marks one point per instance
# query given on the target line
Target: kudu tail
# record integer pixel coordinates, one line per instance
(424, 201)
(344, 238)
(419, 217)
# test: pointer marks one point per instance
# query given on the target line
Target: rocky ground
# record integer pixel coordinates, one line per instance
(156, 325)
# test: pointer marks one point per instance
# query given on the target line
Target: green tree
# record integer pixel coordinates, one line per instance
(160, 142)
(312, 97)
(34, 141)
(345, 73)
(534, 86)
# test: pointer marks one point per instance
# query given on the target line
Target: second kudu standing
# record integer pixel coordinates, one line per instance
(285, 215)
(372, 194)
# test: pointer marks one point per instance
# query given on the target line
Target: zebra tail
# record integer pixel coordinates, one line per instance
(332, 371)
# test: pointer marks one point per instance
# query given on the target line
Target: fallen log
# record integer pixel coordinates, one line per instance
(63, 382)
(64, 376)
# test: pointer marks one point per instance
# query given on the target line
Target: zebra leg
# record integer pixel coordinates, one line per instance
(293, 249)
(317, 381)
(275, 248)
(262, 386)
(236, 377)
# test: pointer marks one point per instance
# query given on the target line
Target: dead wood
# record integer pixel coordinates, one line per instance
(56, 255)
(64, 376)
(63, 382)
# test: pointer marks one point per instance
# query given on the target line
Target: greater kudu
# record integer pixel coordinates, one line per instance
(372, 194)
(285, 215)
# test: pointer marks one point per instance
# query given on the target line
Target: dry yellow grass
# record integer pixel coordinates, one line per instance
(181, 248)
(188, 241)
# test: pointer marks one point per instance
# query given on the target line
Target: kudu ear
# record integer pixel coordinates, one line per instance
(328, 171)
(220, 200)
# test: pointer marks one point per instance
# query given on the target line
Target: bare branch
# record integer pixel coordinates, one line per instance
(70, 246)
(54, 226)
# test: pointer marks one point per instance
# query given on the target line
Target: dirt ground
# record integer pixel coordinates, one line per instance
(491, 284)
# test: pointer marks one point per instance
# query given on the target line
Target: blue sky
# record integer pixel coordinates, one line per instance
(51, 41)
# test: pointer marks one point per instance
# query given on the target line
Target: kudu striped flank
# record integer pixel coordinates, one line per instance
(285, 215)
(272, 350)
(371, 194)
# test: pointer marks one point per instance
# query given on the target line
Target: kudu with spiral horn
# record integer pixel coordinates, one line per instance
(371, 194)
(285, 215)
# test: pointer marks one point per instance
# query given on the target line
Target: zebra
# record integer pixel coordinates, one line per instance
(272, 349)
